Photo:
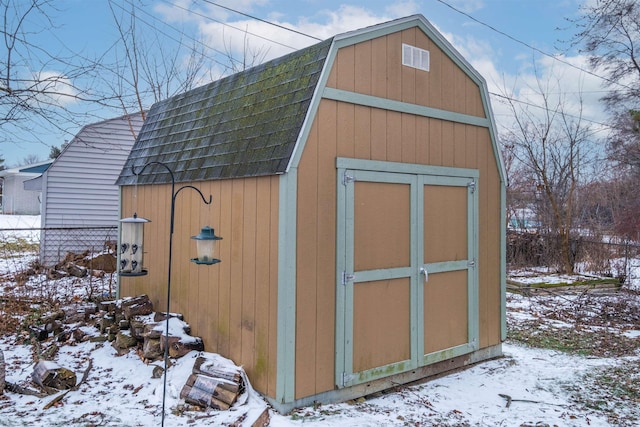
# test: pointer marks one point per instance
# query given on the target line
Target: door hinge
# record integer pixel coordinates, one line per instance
(472, 186)
(346, 178)
(346, 277)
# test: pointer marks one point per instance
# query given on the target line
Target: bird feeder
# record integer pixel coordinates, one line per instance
(131, 241)
(206, 246)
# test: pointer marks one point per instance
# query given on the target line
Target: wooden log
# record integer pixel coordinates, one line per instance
(207, 367)
(79, 335)
(179, 348)
(15, 388)
(75, 387)
(161, 316)
(125, 341)
(108, 306)
(136, 327)
(54, 274)
(152, 331)
(151, 348)
(202, 398)
(262, 420)
(137, 306)
(50, 374)
(75, 270)
(106, 322)
(74, 314)
(230, 386)
(213, 386)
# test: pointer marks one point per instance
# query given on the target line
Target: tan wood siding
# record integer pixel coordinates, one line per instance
(231, 305)
(390, 137)
(375, 68)
(316, 255)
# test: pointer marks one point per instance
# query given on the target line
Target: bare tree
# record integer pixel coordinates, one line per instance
(36, 86)
(250, 56)
(609, 31)
(30, 159)
(147, 68)
(550, 142)
(42, 91)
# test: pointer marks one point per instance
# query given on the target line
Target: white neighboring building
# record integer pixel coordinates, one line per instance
(15, 200)
(79, 196)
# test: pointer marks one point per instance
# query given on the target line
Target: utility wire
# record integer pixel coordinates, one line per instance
(182, 34)
(231, 26)
(307, 35)
(532, 47)
(261, 20)
(530, 104)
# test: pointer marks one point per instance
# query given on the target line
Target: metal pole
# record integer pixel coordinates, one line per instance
(174, 194)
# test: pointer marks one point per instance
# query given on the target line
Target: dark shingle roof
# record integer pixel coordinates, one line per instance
(243, 125)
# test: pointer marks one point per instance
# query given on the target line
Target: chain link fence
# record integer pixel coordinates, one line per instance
(59, 263)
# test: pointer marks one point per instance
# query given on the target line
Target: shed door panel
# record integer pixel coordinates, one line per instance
(381, 319)
(381, 214)
(381, 308)
(391, 317)
(445, 223)
(448, 263)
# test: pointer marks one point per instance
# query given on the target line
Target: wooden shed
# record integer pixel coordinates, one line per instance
(358, 186)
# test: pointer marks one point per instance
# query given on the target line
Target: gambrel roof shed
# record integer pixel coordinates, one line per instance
(360, 192)
(243, 125)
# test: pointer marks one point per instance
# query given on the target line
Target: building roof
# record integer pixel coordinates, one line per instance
(254, 123)
(39, 168)
(243, 125)
(27, 170)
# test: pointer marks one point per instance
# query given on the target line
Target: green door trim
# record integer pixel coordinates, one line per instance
(351, 170)
(470, 265)
(347, 279)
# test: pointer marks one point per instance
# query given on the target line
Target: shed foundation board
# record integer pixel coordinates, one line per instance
(365, 389)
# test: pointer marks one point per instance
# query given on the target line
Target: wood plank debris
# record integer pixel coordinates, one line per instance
(49, 374)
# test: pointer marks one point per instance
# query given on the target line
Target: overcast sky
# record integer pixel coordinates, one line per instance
(505, 40)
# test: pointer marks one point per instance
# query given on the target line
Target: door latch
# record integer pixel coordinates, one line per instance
(423, 270)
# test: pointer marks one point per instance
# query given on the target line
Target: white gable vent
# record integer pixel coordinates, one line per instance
(415, 57)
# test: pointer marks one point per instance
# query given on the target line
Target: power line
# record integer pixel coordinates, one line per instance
(231, 26)
(182, 34)
(530, 104)
(307, 35)
(262, 20)
(532, 47)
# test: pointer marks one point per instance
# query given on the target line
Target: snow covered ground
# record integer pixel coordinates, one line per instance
(25, 224)
(526, 387)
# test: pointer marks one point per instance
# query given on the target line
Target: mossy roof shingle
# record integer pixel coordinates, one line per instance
(246, 124)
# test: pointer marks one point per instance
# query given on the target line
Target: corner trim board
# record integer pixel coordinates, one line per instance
(286, 324)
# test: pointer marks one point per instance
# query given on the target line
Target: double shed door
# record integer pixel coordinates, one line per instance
(407, 285)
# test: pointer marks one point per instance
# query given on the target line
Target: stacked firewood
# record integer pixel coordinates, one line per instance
(131, 322)
(213, 385)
